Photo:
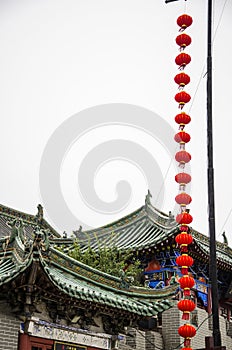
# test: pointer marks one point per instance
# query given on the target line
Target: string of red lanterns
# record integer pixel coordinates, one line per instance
(183, 199)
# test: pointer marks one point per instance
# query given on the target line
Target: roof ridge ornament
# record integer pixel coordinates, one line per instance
(17, 230)
(225, 240)
(39, 215)
(41, 239)
(171, 217)
(148, 198)
(77, 232)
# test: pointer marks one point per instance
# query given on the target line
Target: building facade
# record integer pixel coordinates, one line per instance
(50, 301)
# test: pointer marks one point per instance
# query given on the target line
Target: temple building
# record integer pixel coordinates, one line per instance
(50, 301)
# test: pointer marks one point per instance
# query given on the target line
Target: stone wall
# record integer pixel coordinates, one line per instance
(171, 320)
(136, 339)
(169, 339)
(201, 320)
(226, 333)
(139, 340)
(154, 340)
(9, 329)
(150, 340)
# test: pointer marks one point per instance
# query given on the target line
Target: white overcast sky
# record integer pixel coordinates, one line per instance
(59, 57)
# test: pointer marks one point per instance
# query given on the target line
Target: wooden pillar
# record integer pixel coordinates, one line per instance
(209, 343)
(209, 306)
(228, 314)
(23, 342)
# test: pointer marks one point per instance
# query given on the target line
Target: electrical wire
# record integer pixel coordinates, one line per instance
(227, 218)
(214, 36)
(220, 18)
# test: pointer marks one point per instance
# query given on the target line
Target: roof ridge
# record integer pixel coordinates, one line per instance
(121, 221)
(157, 210)
(125, 220)
(220, 245)
(115, 281)
(30, 218)
(10, 211)
(82, 265)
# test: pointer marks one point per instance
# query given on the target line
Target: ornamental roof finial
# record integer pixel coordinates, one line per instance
(39, 214)
(225, 240)
(148, 197)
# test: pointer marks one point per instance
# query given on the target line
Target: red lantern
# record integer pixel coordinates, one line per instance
(182, 119)
(186, 348)
(182, 79)
(184, 261)
(184, 21)
(183, 178)
(182, 60)
(183, 198)
(183, 157)
(182, 98)
(183, 40)
(182, 136)
(184, 218)
(184, 239)
(186, 306)
(187, 331)
(186, 283)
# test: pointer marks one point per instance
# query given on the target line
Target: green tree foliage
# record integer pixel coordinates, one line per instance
(108, 259)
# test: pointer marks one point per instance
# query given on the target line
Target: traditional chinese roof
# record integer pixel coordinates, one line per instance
(140, 230)
(35, 261)
(144, 229)
(147, 228)
(223, 251)
(29, 221)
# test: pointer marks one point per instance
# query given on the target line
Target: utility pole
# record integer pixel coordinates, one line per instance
(211, 206)
(210, 173)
